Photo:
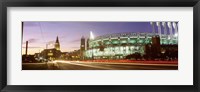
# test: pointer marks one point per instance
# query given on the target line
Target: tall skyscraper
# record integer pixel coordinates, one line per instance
(57, 44)
(82, 48)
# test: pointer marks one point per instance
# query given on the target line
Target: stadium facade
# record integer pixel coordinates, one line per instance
(119, 45)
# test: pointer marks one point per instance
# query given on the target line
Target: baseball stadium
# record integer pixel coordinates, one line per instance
(119, 45)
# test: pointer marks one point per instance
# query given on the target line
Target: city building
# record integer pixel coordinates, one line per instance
(50, 54)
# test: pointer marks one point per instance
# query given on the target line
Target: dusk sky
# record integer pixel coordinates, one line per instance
(41, 33)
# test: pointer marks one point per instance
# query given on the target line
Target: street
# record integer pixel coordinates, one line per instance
(79, 65)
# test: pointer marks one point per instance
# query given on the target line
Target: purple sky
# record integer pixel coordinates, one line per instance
(40, 33)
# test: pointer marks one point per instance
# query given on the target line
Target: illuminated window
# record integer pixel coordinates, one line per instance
(50, 54)
(124, 41)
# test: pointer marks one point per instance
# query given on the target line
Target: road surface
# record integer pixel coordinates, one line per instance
(77, 65)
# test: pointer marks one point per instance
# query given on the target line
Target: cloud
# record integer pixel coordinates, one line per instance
(75, 47)
(75, 41)
(32, 40)
(50, 43)
(62, 37)
(32, 47)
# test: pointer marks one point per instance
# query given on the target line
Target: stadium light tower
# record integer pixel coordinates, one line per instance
(165, 27)
(175, 29)
(170, 30)
(91, 35)
(153, 27)
(159, 29)
(92, 38)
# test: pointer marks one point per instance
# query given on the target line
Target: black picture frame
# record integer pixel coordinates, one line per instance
(99, 3)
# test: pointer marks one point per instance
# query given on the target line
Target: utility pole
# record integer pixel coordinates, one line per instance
(26, 48)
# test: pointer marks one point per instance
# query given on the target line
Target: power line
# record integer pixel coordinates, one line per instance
(41, 30)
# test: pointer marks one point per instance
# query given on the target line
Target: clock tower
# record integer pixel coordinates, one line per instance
(82, 48)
